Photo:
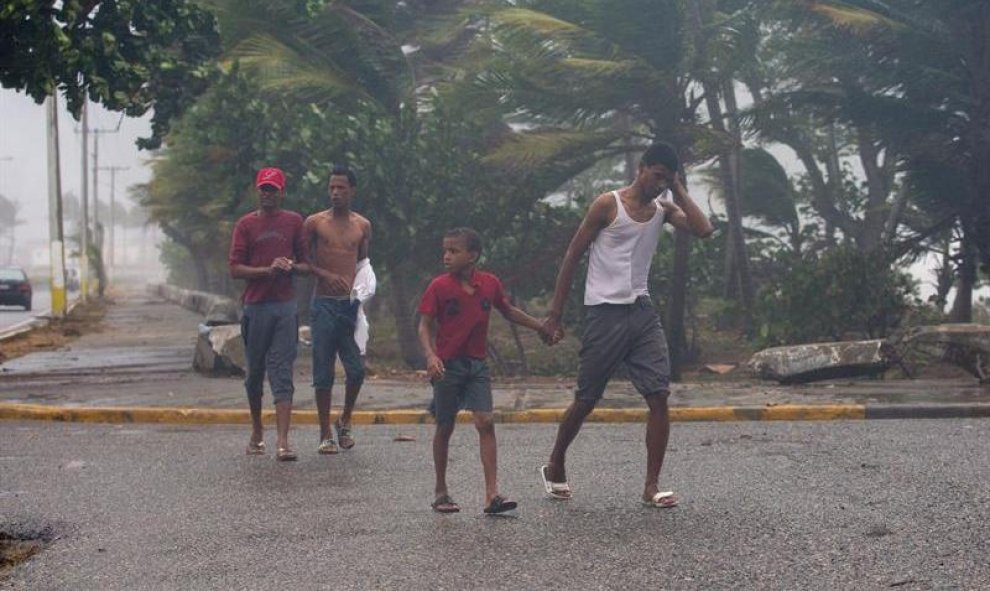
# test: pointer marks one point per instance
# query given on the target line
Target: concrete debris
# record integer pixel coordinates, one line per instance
(964, 345)
(223, 311)
(220, 350)
(821, 361)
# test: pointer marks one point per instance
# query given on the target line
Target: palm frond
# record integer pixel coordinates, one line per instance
(527, 151)
(281, 69)
(598, 67)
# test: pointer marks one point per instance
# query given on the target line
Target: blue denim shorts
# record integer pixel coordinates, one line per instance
(332, 322)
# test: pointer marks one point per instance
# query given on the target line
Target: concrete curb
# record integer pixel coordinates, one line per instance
(204, 416)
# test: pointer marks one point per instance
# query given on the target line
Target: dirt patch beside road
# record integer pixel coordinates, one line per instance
(86, 318)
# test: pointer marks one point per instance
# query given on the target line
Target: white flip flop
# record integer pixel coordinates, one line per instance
(557, 490)
(657, 501)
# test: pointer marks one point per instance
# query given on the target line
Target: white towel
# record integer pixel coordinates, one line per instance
(365, 284)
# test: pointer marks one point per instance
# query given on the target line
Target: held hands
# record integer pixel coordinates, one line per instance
(551, 331)
(434, 367)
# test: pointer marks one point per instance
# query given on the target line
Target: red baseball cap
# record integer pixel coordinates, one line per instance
(270, 176)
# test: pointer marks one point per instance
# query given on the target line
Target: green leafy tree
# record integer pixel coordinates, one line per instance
(935, 58)
(840, 294)
(128, 55)
(381, 65)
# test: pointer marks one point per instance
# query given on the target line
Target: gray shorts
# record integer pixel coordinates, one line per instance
(271, 333)
(623, 333)
(466, 384)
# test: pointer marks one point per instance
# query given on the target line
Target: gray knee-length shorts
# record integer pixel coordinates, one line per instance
(623, 333)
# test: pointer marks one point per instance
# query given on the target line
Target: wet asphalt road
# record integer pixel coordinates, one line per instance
(837, 505)
(11, 315)
(41, 303)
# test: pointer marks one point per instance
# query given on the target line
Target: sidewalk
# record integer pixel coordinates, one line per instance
(142, 357)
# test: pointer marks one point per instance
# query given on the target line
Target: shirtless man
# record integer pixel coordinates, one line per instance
(338, 239)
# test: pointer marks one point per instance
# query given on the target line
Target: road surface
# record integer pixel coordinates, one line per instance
(41, 304)
(837, 505)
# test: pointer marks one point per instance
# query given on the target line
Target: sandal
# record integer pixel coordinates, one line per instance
(445, 504)
(500, 504)
(255, 448)
(285, 454)
(661, 500)
(556, 490)
(344, 435)
(327, 447)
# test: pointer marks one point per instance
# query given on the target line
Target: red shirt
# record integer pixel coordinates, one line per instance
(462, 318)
(257, 241)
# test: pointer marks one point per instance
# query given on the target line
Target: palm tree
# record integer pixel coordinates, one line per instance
(587, 83)
(936, 57)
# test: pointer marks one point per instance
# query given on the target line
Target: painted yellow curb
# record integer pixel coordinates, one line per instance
(207, 416)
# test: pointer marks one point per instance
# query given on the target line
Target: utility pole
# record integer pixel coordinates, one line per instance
(97, 233)
(96, 168)
(113, 222)
(84, 231)
(55, 213)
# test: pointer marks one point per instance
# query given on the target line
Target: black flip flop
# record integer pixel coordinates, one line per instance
(445, 504)
(500, 504)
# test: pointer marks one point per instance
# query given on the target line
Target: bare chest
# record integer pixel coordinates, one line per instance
(340, 235)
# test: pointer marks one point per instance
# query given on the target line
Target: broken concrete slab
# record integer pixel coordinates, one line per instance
(821, 361)
(220, 350)
(223, 311)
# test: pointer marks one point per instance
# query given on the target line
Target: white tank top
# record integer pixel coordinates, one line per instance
(621, 254)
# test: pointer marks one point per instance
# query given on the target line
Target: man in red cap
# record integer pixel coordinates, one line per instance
(267, 248)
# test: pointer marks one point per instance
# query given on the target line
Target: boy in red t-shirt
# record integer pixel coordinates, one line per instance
(458, 304)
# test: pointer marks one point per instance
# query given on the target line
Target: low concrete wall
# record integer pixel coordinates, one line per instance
(217, 309)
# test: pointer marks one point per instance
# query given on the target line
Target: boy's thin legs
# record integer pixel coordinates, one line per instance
(569, 427)
(485, 424)
(441, 448)
(323, 411)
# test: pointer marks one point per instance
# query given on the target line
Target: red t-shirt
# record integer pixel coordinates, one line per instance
(462, 318)
(257, 241)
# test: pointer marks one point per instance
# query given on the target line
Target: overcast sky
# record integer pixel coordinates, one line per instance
(23, 156)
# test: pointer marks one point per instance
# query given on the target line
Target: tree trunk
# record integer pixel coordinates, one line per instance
(962, 305)
(405, 318)
(677, 306)
(202, 271)
(738, 281)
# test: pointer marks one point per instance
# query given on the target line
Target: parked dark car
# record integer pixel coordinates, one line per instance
(15, 287)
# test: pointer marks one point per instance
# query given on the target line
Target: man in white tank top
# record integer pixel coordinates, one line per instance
(622, 229)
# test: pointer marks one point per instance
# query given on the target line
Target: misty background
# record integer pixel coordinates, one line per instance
(24, 181)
